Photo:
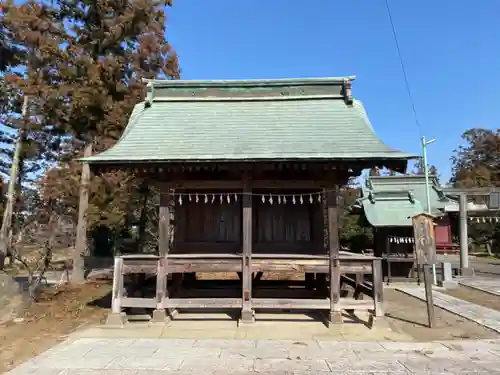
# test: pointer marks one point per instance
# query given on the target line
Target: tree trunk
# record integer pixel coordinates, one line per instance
(46, 260)
(17, 204)
(11, 191)
(81, 249)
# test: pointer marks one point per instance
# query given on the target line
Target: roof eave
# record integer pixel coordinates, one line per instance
(96, 160)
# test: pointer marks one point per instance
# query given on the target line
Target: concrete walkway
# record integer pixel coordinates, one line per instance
(481, 315)
(170, 356)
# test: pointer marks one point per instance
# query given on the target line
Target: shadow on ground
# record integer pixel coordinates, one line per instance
(103, 302)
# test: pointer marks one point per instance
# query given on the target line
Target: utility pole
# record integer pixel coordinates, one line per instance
(464, 236)
(11, 191)
(426, 173)
(425, 143)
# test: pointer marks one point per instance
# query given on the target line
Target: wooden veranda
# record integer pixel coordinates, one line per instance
(186, 247)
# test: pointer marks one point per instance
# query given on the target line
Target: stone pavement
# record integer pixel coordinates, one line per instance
(170, 356)
(485, 284)
(481, 315)
(481, 266)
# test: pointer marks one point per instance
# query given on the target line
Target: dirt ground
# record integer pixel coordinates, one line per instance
(406, 314)
(475, 296)
(49, 321)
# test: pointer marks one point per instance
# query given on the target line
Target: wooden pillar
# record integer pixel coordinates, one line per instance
(247, 313)
(388, 257)
(159, 314)
(164, 223)
(117, 318)
(428, 279)
(335, 315)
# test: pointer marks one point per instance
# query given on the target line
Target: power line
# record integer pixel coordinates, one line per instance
(410, 96)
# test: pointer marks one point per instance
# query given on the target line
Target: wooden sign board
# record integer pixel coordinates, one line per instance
(425, 240)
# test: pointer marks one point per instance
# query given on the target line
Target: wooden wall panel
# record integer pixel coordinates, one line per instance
(284, 223)
(212, 222)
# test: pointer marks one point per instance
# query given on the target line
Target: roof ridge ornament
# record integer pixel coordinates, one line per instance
(348, 91)
(150, 94)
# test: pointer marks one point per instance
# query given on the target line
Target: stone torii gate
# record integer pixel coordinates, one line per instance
(492, 204)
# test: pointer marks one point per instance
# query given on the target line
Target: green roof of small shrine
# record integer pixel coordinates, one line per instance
(393, 200)
(284, 119)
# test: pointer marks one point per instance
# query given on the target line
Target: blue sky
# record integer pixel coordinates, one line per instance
(451, 50)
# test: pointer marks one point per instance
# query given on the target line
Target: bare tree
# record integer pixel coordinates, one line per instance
(35, 241)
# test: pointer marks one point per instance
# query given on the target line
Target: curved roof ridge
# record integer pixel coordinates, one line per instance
(248, 82)
(362, 110)
(137, 112)
(358, 104)
(256, 98)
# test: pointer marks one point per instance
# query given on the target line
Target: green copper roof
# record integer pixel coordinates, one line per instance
(391, 213)
(248, 120)
(393, 200)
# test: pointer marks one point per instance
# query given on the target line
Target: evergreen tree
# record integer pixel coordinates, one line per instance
(418, 169)
(10, 54)
(32, 33)
(111, 46)
(476, 163)
(83, 63)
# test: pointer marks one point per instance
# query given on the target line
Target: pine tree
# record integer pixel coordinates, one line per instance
(10, 54)
(111, 46)
(32, 32)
